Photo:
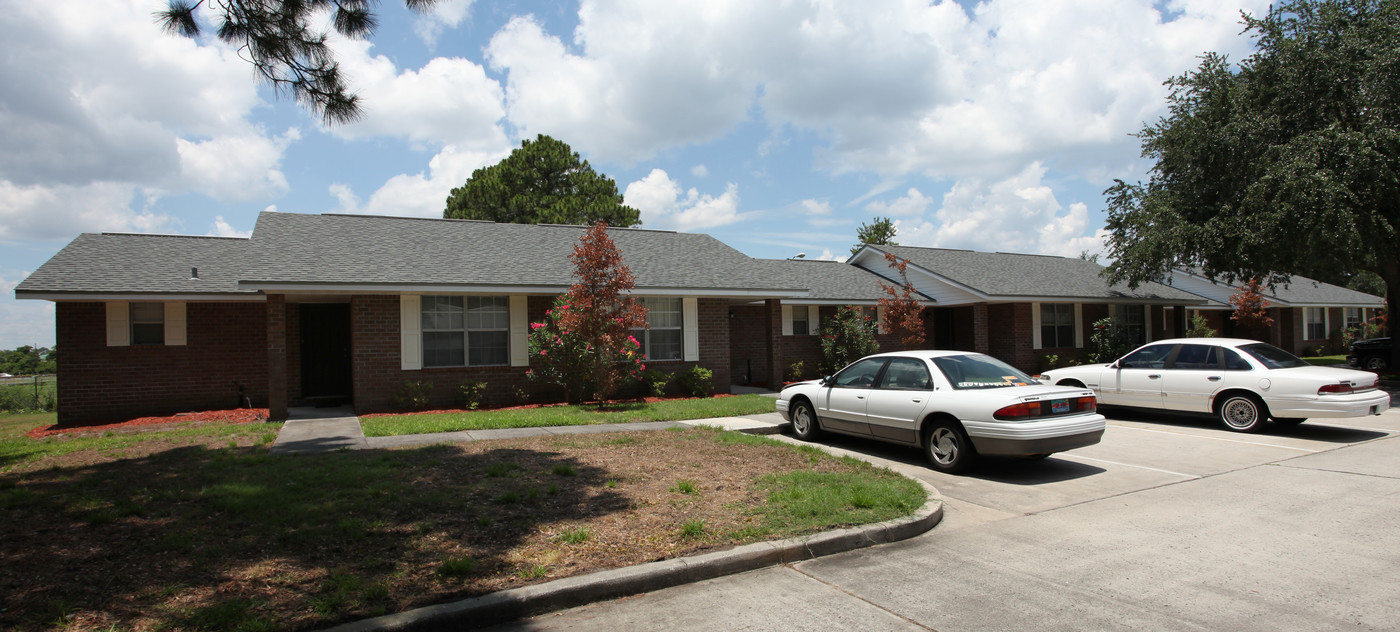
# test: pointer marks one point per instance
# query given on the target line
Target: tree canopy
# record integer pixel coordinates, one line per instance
(1288, 164)
(542, 182)
(880, 232)
(276, 36)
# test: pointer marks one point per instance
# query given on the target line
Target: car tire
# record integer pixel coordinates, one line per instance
(804, 421)
(947, 447)
(1374, 363)
(1289, 421)
(1242, 412)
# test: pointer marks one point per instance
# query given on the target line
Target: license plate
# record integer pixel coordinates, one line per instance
(1059, 405)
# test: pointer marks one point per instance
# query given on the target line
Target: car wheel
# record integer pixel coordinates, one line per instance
(804, 421)
(1289, 421)
(1242, 413)
(1374, 363)
(948, 447)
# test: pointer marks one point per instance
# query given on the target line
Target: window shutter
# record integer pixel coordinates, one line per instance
(787, 320)
(519, 331)
(690, 328)
(1147, 323)
(175, 324)
(1036, 342)
(411, 332)
(813, 319)
(1078, 330)
(118, 324)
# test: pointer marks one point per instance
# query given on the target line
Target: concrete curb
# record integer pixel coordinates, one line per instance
(508, 605)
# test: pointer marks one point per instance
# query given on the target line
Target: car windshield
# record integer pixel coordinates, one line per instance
(979, 371)
(1272, 357)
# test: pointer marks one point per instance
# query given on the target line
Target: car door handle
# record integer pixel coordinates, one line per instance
(1214, 378)
(918, 401)
(860, 397)
(1154, 377)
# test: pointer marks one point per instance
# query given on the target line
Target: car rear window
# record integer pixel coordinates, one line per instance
(979, 371)
(1272, 357)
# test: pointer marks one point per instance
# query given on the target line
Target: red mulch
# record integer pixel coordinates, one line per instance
(235, 415)
(442, 411)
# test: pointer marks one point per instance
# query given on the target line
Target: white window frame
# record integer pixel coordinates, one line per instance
(1349, 312)
(466, 330)
(683, 329)
(121, 324)
(792, 314)
(1308, 322)
(1039, 312)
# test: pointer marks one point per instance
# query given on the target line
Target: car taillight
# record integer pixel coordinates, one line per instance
(1335, 389)
(1047, 408)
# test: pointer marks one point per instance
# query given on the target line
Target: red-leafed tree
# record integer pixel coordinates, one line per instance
(1251, 308)
(904, 315)
(585, 343)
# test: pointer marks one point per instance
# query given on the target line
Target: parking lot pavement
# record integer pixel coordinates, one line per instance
(1167, 524)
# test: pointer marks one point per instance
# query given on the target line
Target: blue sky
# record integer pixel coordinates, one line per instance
(777, 127)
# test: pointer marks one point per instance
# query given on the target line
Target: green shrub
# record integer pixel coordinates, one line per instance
(794, 372)
(413, 395)
(1200, 328)
(846, 337)
(1110, 340)
(655, 381)
(469, 394)
(696, 381)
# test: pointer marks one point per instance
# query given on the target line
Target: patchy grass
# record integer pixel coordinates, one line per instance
(18, 451)
(664, 410)
(184, 532)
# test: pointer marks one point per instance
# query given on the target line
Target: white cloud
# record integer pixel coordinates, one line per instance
(446, 14)
(699, 171)
(827, 255)
(913, 204)
(663, 204)
(816, 207)
(241, 167)
(35, 212)
(1018, 214)
(100, 107)
(421, 194)
(222, 228)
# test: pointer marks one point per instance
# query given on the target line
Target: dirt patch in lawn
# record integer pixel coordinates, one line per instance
(230, 538)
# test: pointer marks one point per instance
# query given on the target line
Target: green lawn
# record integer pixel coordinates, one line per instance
(667, 410)
(1331, 360)
(17, 449)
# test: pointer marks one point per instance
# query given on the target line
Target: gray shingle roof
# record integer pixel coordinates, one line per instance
(367, 250)
(1010, 275)
(830, 280)
(1300, 290)
(142, 264)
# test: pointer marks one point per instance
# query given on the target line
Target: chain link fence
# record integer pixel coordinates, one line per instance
(37, 393)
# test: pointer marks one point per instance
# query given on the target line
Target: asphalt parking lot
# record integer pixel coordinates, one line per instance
(1170, 523)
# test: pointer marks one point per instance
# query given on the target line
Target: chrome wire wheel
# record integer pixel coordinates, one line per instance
(1242, 413)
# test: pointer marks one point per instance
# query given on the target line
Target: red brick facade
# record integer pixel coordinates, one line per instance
(225, 349)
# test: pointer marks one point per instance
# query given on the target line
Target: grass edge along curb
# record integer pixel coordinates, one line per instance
(569, 592)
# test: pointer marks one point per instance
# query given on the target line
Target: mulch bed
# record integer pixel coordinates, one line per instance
(235, 416)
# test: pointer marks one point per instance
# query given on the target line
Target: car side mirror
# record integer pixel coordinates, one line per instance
(826, 381)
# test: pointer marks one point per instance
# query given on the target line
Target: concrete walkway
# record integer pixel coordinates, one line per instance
(312, 430)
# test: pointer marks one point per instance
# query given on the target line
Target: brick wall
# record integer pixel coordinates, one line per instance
(1009, 334)
(226, 347)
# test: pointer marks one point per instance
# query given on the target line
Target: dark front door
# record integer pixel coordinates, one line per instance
(325, 352)
(945, 328)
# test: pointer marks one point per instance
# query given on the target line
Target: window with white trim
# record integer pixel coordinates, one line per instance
(662, 340)
(1317, 323)
(1056, 325)
(799, 321)
(1353, 317)
(465, 331)
(148, 323)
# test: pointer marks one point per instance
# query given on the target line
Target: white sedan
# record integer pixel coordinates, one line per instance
(953, 404)
(1243, 382)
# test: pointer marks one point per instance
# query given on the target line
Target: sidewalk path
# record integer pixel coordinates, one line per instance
(312, 430)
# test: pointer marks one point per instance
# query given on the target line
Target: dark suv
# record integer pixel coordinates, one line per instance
(1372, 354)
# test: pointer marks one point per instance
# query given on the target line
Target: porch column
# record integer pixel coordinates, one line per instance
(276, 357)
(981, 334)
(773, 336)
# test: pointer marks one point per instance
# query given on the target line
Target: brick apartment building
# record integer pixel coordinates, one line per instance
(324, 308)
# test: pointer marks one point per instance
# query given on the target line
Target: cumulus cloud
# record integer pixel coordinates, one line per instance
(912, 204)
(1018, 214)
(423, 194)
(663, 204)
(816, 207)
(222, 228)
(101, 108)
(446, 14)
(699, 171)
